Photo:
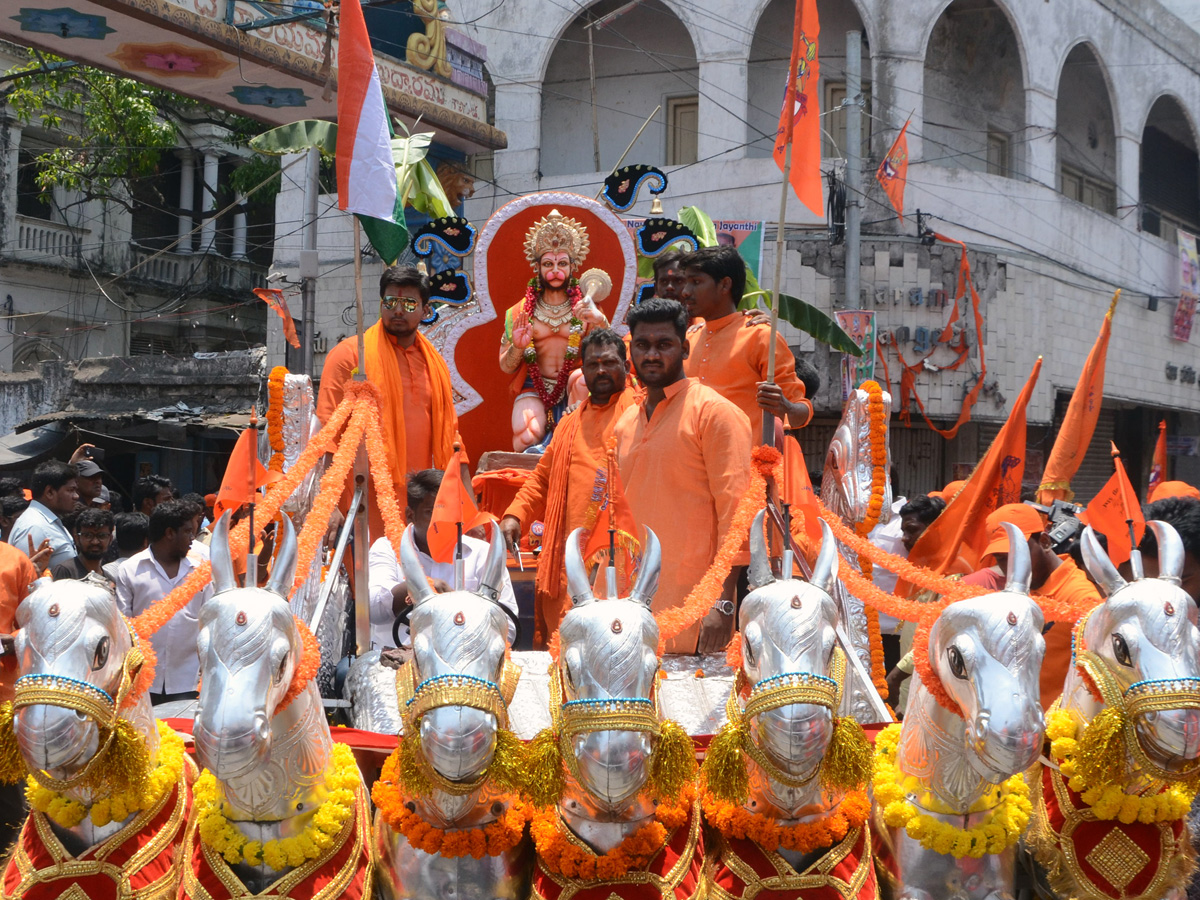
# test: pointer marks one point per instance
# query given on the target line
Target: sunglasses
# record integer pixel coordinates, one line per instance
(406, 304)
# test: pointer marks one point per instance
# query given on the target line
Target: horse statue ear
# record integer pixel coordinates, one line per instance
(825, 570)
(647, 578)
(222, 562)
(760, 573)
(493, 567)
(414, 574)
(578, 585)
(1170, 551)
(1099, 566)
(1020, 566)
(283, 574)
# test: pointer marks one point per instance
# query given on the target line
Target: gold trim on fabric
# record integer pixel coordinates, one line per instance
(815, 876)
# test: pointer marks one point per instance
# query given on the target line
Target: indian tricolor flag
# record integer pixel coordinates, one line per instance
(366, 174)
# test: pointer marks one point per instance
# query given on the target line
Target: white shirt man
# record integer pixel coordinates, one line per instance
(384, 574)
(42, 524)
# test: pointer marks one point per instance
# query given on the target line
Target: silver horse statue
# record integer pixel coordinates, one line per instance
(795, 672)
(987, 653)
(846, 490)
(610, 733)
(78, 663)
(454, 697)
(1140, 650)
(270, 764)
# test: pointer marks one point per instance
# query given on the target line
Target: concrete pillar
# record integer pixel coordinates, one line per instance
(724, 88)
(208, 203)
(898, 86)
(239, 233)
(1129, 188)
(10, 144)
(187, 192)
(519, 107)
(1041, 155)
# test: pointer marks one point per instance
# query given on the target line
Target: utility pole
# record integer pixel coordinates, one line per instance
(853, 106)
(309, 263)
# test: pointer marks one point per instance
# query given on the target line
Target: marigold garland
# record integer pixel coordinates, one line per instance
(1001, 829)
(385, 487)
(342, 782)
(673, 622)
(562, 856)
(275, 417)
(735, 821)
(67, 812)
(306, 666)
(1077, 756)
(401, 815)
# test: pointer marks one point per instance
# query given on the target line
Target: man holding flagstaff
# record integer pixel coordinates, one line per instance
(566, 488)
(418, 416)
(684, 458)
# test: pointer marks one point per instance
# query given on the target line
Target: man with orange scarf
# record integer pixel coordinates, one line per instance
(566, 488)
(418, 418)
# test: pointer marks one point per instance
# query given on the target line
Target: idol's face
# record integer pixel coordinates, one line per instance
(554, 268)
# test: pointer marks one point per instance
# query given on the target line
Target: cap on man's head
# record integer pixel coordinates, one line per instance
(1024, 516)
(85, 468)
(1173, 489)
(103, 498)
(210, 499)
(947, 493)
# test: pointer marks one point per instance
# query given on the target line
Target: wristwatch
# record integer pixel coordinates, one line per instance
(725, 607)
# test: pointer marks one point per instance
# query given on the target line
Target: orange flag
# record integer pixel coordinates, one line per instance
(1079, 424)
(274, 298)
(892, 173)
(799, 119)
(961, 528)
(236, 487)
(1113, 508)
(454, 504)
(798, 490)
(614, 513)
(1158, 469)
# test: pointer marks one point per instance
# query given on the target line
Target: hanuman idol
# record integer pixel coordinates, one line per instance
(542, 332)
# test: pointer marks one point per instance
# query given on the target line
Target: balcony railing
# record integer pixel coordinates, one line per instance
(197, 270)
(42, 241)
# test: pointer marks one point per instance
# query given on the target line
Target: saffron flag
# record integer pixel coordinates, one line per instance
(274, 299)
(1112, 510)
(614, 514)
(1079, 424)
(892, 173)
(366, 172)
(455, 503)
(961, 529)
(798, 492)
(244, 475)
(1158, 468)
(800, 119)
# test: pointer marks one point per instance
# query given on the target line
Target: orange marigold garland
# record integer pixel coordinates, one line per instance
(562, 856)
(734, 821)
(385, 487)
(275, 417)
(923, 666)
(306, 666)
(673, 622)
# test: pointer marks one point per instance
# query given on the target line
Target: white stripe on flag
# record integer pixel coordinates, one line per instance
(372, 172)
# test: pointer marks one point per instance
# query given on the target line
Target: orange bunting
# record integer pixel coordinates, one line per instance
(455, 505)
(274, 298)
(892, 173)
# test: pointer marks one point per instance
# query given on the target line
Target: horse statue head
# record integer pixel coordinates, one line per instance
(266, 758)
(789, 650)
(609, 661)
(456, 691)
(1141, 650)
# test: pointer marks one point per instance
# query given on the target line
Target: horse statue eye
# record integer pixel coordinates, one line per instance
(101, 657)
(958, 666)
(1121, 651)
(279, 671)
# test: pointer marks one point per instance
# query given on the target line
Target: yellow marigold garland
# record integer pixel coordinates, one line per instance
(275, 417)
(999, 831)
(68, 813)
(1078, 758)
(562, 856)
(342, 780)
(734, 820)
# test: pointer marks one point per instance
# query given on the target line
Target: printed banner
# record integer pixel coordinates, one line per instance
(860, 325)
(745, 237)
(1189, 287)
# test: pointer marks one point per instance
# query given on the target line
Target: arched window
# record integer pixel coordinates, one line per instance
(1086, 140)
(1170, 172)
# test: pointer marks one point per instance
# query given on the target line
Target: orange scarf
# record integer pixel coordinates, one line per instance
(383, 371)
(554, 520)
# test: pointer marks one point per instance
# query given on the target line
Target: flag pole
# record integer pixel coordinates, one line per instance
(251, 560)
(610, 573)
(1135, 555)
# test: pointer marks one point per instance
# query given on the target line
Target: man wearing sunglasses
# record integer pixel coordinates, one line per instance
(418, 415)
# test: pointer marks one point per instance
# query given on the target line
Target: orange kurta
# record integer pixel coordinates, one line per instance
(1068, 584)
(730, 356)
(577, 463)
(16, 574)
(684, 470)
(417, 397)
